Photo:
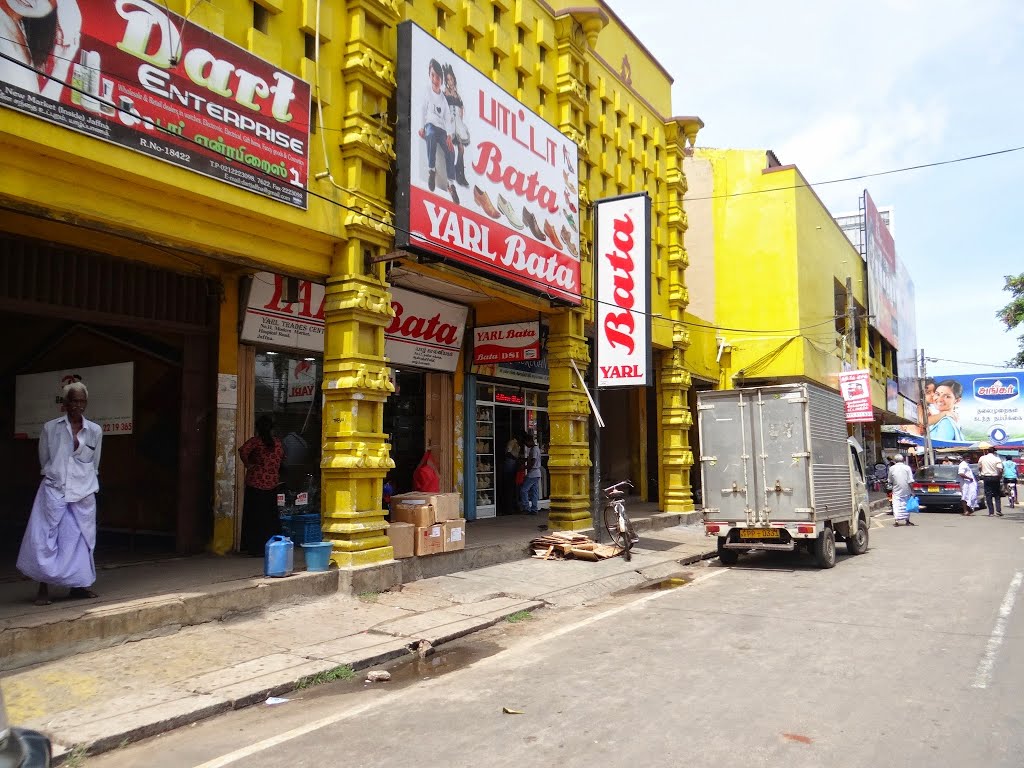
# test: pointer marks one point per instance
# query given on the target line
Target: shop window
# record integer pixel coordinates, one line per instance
(310, 43)
(260, 18)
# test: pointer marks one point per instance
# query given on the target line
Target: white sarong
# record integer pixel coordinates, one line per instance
(59, 541)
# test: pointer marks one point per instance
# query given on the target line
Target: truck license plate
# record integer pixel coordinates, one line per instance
(759, 533)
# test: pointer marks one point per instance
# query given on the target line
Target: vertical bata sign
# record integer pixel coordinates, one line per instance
(132, 73)
(482, 180)
(622, 286)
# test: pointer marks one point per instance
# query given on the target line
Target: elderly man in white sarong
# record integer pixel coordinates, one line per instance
(61, 534)
(901, 478)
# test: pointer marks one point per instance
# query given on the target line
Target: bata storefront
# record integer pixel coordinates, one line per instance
(281, 374)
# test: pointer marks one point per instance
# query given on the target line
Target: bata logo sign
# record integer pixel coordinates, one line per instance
(996, 389)
(134, 74)
(271, 321)
(511, 343)
(425, 332)
(622, 259)
(483, 181)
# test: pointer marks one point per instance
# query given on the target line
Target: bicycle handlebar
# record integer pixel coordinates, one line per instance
(613, 487)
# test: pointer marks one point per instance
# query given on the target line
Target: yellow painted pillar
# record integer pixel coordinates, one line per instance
(356, 456)
(225, 501)
(676, 420)
(569, 416)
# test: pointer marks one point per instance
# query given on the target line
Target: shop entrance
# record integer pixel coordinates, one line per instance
(508, 424)
(405, 419)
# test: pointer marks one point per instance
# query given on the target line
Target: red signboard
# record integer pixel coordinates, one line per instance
(483, 181)
(509, 343)
(132, 73)
(855, 387)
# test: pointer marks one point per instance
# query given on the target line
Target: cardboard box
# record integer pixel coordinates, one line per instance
(454, 535)
(403, 539)
(430, 540)
(446, 505)
(413, 511)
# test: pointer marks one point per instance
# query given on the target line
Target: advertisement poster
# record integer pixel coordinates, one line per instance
(508, 343)
(968, 409)
(906, 355)
(132, 73)
(425, 332)
(622, 285)
(37, 398)
(855, 387)
(303, 381)
(483, 181)
(272, 321)
(882, 273)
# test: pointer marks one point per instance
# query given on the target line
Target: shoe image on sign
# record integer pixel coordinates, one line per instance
(482, 199)
(505, 208)
(531, 222)
(567, 238)
(550, 232)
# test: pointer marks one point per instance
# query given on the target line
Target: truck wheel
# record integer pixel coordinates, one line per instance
(858, 544)
(825, 549)
(727, 556)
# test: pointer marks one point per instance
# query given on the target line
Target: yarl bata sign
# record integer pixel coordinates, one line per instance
(271, 321)
(512, 342)
(855, 387)
(132, 73)
(622, 284)
(482, 180)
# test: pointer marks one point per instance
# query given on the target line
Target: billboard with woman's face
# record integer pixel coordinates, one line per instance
(966, 409)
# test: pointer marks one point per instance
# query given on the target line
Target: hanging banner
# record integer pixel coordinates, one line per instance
(269, 320)
(855, 387)
(38, 398)
(132, 73)
(303, 381)
(425, 332)
(508, 343)
(483, 181)
(622, 286)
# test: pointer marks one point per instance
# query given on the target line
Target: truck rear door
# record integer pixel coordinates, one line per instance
(726, 455)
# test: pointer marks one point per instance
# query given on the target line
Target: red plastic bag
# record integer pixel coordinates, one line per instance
(425, 479)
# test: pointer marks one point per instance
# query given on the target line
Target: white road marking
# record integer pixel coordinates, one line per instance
(988, 661)
(281, 738)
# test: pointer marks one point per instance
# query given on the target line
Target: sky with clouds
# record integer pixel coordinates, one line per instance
(842, 89)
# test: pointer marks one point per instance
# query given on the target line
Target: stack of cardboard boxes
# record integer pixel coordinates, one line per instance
(426, 524)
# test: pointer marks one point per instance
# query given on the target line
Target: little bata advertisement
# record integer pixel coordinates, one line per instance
(132, 73)
(483, 180)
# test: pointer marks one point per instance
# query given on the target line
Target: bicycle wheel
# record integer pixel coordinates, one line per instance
(611, 524)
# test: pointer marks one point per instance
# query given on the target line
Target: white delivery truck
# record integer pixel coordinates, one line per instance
(780, 473)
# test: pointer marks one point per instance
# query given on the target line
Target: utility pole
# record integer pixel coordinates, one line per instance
(928, 459)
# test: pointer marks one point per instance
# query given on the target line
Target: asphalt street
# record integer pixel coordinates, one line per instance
(906, 656)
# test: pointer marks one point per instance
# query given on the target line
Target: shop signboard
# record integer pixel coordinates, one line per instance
(37, 398)
(508, 343)
(303, 381)
(906, 355)
(483, 181)
(134, 74)
(883, 274)
(855, 387)
(425, 332)
(622, 286)
(271, 321)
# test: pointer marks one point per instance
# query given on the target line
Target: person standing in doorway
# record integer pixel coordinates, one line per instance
(968, 486)
(900, 478)
(262, 456)
(61, 536)
(509, 468)
(990, 467)
(529, 492)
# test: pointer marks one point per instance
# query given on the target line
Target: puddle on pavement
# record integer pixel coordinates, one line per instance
(409, 671)
(674, 581)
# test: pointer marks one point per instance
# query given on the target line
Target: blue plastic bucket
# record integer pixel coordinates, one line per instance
(279, 557)
(318, 555)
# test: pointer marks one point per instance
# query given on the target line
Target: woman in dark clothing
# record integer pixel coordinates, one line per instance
(262, 456)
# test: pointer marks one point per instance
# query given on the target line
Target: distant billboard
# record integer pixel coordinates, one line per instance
(906, 352)
(883, 274)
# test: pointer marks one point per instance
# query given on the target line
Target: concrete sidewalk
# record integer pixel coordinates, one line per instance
(100, 699)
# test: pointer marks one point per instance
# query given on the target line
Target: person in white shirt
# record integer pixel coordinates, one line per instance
(61, 535)
(990, 467)
(438, 129)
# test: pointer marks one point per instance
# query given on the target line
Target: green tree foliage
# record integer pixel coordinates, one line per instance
(1013, 313)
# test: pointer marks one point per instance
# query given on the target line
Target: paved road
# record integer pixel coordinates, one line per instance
(907, 656)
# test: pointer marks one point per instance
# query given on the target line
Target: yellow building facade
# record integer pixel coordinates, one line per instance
(161, 261)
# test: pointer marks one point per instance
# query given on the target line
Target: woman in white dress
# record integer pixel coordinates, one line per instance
(968, 486)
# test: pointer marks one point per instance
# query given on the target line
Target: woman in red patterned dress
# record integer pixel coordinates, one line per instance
(262, 457)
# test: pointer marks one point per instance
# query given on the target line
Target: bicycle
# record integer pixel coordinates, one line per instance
(616, 521)
(1010, 486)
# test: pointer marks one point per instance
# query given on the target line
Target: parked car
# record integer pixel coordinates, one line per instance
(937, 487)
(21, 748)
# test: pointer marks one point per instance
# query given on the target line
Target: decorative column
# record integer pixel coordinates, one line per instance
(674, 380)
(356, 456)
(569, 417)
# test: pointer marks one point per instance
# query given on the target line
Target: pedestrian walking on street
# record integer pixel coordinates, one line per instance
(968, 486)
(262, 456)
(900, 478)
(61, 536)
(1010, 481)
(991, 468)
(529, 492)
